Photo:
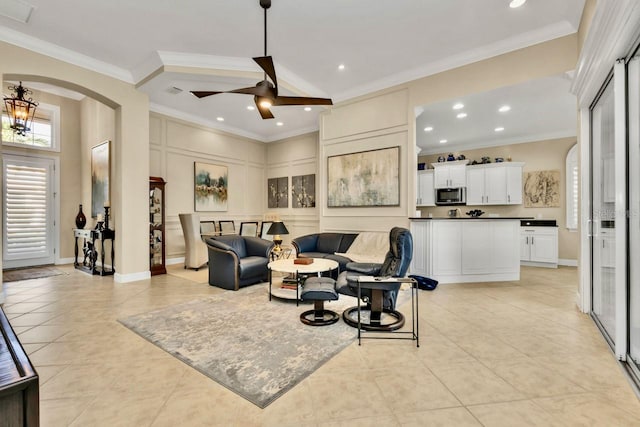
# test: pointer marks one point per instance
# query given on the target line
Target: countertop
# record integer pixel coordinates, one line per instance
(466, 217)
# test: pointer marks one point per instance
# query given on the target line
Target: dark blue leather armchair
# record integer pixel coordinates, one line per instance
(396, 264)
(236, 261)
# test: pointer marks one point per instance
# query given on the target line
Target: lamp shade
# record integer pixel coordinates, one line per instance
(277, 228)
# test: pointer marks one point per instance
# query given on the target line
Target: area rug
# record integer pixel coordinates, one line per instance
(256, 348)
(30, 273)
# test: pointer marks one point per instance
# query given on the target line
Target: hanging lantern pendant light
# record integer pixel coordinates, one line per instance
(21, 111)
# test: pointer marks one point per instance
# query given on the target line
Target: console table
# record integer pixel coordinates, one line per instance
(88, 238)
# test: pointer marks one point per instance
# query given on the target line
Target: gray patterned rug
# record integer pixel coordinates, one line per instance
(256, 348)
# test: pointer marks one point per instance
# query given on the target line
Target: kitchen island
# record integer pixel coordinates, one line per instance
(458, 250)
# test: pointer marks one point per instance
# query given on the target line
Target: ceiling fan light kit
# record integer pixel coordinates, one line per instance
(265, 92)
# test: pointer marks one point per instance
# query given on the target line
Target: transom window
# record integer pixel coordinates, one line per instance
(44, 130)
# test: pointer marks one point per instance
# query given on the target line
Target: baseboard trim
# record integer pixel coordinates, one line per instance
(568, 262)
(131, 277)
(63, 261)
(173, 261)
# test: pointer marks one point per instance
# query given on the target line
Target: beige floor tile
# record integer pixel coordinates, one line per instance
(413, 391)
(43, 334)
(357, 395)
(533, 379)
(587, 410)
(458, 417)
(473, 383)
(490, 346)
(119, 410)
(521, 413)
(61, 412)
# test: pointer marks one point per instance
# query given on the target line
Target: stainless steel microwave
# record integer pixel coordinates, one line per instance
(451, 196)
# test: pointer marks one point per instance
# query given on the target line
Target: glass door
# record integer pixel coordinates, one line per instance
(634, 213)
(603, 214)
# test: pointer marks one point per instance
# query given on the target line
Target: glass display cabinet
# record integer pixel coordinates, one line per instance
(156, 226)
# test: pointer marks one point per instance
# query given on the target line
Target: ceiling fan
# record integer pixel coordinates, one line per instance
(265, 92)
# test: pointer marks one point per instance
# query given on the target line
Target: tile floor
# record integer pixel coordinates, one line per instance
(493, 354)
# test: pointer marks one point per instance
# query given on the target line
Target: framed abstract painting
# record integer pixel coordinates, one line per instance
(211, 185)
(366, 178)
(100, 171)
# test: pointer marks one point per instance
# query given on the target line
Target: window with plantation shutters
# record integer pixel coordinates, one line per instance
(28, 221)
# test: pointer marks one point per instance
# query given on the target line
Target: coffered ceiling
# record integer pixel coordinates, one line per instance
(169, 47)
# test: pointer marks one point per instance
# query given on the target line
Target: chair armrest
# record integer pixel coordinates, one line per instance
(257, 246)
(307, 243)
(219, 246)
(368, 268)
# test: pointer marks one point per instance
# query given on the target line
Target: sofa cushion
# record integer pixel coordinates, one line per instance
(329, 242)
(236, 242)
(252, 266)
(347, 240)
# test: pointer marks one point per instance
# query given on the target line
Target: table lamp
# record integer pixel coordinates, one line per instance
(276, 229)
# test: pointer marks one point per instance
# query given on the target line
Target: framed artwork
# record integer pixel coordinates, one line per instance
(100, 170)
(366, 178)
(542, 189)
(211, 185)
(303, 191)
(278, 192)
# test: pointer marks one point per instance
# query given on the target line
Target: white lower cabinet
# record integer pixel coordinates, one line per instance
(471, 250)
(539, 246)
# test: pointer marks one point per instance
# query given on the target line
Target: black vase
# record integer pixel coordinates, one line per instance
(81, 220)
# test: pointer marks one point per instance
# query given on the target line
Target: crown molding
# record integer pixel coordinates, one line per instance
(171, 112)
(614, 29)
(63, 54)
(521, 41)
(569, 133)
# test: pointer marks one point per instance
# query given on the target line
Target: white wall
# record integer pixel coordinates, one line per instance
(293, 157)
(174, 146)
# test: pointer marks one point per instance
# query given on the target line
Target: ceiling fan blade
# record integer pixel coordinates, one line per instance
(266, 63)
(301, 100)
(253, 90)
(202, 94)
(264, 111)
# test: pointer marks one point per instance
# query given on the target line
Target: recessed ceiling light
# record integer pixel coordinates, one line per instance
(220, 119)
(504, 108)
(443, 141)
(307, 108)
(461, 115)
(250, 107)
(516, 3)
(341, 67)
(458, 106)
(428, 129)
(499, 129)
(279, 124)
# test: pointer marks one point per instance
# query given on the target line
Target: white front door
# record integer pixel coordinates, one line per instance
(28, 211)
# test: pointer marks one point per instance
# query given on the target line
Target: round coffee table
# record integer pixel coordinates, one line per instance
(318, 266)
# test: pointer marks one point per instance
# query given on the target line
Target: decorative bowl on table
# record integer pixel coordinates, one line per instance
(475, 213)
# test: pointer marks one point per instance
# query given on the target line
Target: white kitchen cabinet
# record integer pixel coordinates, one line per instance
(419, 261)
(447, 248)
(466, 250)
(539, 246)
(450, 174)
(494, 184)
(425, 190)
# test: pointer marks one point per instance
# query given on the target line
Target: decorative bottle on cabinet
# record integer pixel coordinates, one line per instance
(156, 226)
(81, 220)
